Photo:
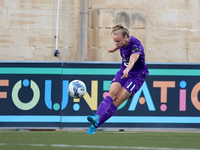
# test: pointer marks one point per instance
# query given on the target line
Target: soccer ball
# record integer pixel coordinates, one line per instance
(76, 89)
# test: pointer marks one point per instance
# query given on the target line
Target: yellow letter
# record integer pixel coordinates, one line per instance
(92, 101)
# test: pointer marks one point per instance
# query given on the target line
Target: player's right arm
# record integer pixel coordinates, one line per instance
(133, 59)
(112, 49)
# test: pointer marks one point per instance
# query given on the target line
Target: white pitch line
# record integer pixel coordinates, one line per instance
(102, 147)
(120, 147)
(34, 145)
(41, 145)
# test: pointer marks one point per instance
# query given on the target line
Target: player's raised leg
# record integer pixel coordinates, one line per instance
(121, 97)
(105, 105)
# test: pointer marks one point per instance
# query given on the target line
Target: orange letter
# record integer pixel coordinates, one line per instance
(4, 83)
(163, 87)
(194, 96)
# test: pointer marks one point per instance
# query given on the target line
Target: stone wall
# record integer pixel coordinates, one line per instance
(28, 30)
(168, 29)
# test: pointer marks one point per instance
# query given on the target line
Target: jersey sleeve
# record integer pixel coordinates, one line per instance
(137, 48)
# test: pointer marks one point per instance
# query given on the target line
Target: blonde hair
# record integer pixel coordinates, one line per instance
(120, 29)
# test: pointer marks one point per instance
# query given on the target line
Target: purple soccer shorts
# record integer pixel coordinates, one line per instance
(132, 83)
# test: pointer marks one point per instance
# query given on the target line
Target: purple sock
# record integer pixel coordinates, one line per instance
(110, 112)
(107, 114)
(104, 106)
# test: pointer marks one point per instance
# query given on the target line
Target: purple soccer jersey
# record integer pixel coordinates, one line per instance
(136, 75)
(134, 46)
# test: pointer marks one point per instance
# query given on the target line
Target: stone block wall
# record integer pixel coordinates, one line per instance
(28, 30)
(168, 29)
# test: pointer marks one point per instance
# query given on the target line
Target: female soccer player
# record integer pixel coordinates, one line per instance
(128, 79)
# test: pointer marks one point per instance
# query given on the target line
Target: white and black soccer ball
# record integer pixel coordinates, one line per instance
(77, 89)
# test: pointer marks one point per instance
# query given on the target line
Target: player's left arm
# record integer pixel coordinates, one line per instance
(134, 57)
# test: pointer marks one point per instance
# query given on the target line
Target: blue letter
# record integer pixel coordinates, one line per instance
(47, 95)
(147, 96)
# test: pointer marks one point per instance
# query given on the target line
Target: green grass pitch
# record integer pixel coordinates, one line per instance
(111, 140)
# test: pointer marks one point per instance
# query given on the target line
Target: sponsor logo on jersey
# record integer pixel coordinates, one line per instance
(135, 50)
